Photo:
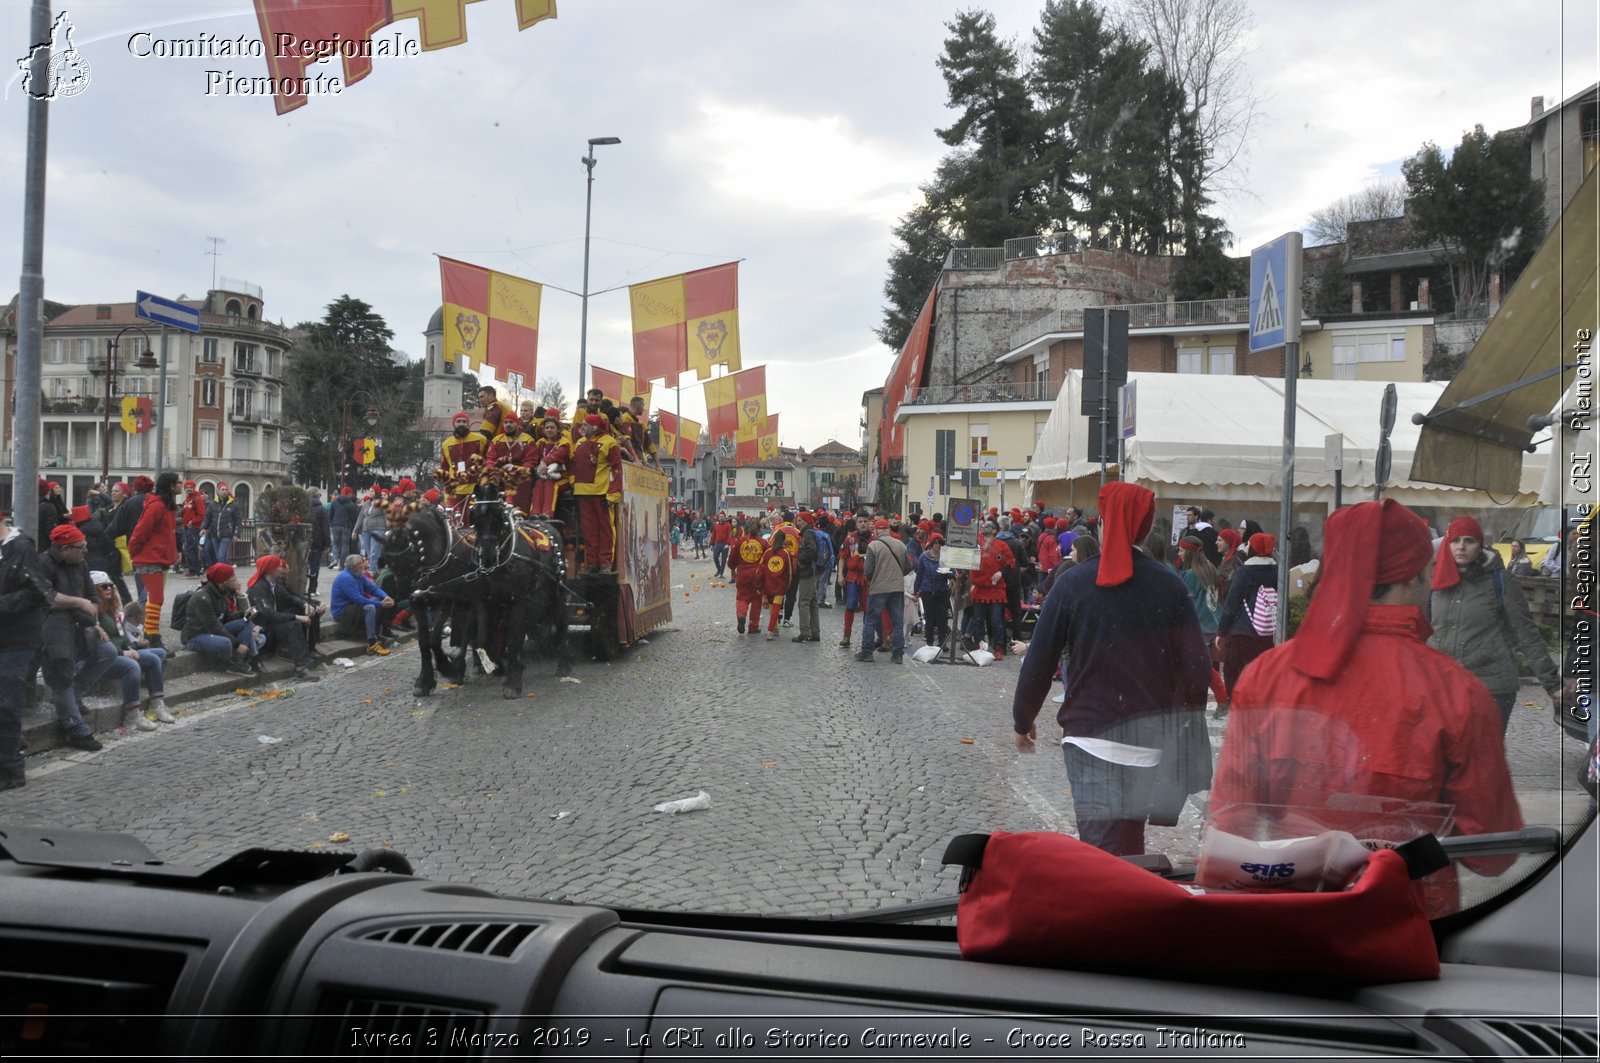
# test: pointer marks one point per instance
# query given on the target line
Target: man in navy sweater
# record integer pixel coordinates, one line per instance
(1136, 665)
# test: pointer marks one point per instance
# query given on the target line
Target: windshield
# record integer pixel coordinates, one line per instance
(672, 456)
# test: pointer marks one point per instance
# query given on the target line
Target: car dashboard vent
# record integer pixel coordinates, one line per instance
(354, 1025)
(1561, 1039)
(483, 939)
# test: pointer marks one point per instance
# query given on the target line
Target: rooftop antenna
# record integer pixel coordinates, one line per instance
(216, 242)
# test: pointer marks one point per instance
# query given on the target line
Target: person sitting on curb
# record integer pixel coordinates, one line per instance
(360, 606)
(71, 654)
(218, 623)
(151, 660)
(292, 623)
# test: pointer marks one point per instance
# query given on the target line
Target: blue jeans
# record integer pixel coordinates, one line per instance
(221, 649)
(190, 537)
(1110, 801)
(16, 668)
(340, 547)
(876, 604)
(372, 548)
(103, 660)
(719, 556)
(369, 617)
(152, 663)
(224, 551)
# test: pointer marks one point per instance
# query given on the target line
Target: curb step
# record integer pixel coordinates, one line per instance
(190, 678)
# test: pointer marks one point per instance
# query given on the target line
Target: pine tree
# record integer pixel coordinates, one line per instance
(1482, 205)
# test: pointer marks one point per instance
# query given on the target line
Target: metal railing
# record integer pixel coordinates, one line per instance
(235, 286)
(974, 258)
(1041, 246)
(250, 324)
(1142, 315)
(1040, 390)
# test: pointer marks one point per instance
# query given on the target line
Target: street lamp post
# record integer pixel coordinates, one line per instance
(371, 417)
(147, 360)
(588, 211)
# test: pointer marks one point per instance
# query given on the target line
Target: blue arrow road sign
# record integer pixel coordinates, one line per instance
(1275, 293)
(166, 312)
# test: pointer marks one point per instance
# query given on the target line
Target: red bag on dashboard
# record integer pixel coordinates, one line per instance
(1048, 900)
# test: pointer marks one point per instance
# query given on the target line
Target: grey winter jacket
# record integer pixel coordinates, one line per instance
(1484, 628)
(371, 518)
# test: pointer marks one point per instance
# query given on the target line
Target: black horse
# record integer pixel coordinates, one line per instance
(437, 569)
(523, 564)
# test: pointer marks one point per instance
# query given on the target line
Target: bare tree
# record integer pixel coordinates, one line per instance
(1200, 44)
(552, 394)
(1377, 199)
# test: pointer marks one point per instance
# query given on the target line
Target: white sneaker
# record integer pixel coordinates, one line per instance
(158, 709)
(141, 721)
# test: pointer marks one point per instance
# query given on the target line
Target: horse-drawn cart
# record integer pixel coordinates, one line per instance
(509, 585)
(618, 608)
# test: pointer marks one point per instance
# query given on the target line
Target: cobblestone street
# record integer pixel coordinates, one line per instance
(834, 785)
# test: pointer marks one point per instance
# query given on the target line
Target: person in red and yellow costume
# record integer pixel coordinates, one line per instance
(552, 472)
(1358, 703)
(597, 483)
(512, 456)
(635, 421)
(494, 414)
(745, 557)
(463, 454)
(777, 571)
(398, 507)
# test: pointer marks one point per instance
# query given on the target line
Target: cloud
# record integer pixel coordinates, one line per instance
(817, 163)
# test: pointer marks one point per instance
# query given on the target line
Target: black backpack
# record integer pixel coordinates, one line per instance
(180, 609)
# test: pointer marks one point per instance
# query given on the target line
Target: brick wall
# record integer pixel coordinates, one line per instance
(979, 310)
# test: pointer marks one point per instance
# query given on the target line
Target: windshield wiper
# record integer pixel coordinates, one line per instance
(961, 851)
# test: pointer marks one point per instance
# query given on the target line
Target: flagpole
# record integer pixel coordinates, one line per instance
(588, 211)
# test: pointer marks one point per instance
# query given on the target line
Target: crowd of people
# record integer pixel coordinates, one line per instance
(1086, 596)
(1404, 662)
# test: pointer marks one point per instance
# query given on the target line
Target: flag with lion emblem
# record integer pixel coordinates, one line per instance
(686, 322)
(490, 318)
(736, 405)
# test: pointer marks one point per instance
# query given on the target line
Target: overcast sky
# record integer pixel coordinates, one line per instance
(789, 135)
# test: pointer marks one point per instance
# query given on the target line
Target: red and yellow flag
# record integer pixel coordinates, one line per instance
(736, 405)
(618, 388)
(138, 414)
(762, 449)
(297, 33)
(490, 318)
(687, 321)
(676, 434)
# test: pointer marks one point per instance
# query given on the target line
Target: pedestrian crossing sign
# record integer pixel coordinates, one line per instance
(1275, 293)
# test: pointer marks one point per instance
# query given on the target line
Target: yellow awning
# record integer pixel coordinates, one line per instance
(1477, 433)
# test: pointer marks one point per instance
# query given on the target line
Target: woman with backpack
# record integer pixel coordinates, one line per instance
(1481, 619)
(1244, 630)
(1205, 587)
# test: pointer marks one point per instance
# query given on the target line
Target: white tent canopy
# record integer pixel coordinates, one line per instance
(1220, 439)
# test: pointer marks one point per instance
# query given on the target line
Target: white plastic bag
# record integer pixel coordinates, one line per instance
(688, 804)
(981, 658)
(925, 654)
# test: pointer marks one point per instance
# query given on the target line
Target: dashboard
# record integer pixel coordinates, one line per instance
(106, 951)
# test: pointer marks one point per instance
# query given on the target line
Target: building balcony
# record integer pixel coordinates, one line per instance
(251, 416)
(990, 391)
